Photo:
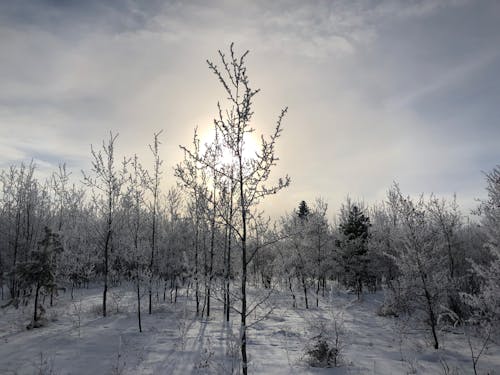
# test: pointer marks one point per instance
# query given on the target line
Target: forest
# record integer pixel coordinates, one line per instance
(113, 244)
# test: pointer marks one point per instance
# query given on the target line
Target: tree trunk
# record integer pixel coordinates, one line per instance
(432, 318)
(224, 285)
(304, 286)
(139, 303)
(291, 291)
(196, 268)
(176, 290)
(244, 360)
(106, 264)
(153, 244)
(317, 291)
(228, 278)
(35, 315)
(228, 263)
(211, 263)
(13, 285)
(205, 274)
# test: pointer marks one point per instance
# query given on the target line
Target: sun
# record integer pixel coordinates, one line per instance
(251, 146)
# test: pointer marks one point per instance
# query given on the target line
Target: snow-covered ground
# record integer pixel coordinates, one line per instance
(77, 340)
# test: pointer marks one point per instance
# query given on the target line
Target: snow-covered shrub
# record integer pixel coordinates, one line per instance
(395, 302)
(116, 297)
(326, 347)
(321, 353)
(206, 357)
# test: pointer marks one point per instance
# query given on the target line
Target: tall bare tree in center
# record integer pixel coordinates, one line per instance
(251, 172)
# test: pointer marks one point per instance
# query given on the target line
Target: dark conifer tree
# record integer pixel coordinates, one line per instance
(39, 271)
(353, 246)
(303, 210)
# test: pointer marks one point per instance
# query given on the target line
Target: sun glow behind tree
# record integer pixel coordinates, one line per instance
(251, 146)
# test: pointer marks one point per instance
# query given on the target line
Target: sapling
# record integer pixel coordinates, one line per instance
(77, 315)
(327, 346)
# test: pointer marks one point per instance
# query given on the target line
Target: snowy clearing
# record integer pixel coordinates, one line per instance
(174, 341)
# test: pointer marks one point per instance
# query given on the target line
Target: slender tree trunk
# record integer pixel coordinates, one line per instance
(450, 255)
(176, 290)
(228, 276)
(106, 264)
(317, 292)
(205, 273)
(359, 286)
(228, 262)
(151, 264)
(13, 285)
(138, 301)
(137, 275)
(244, 360)
(428, 298)
(291, 291)
(172, 280)
(304, 286)
(28, 233)
(225, 272)
(155, 192)
(35, 315)
(432, 318)
(319, 269)
(153, 245)
(211, 262)
(196, 269)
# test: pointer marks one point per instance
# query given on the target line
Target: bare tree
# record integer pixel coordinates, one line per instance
(135, 203)
(192, 176)
(154, 187)
(320, 235)
(250, 172)
(20, 200)
(419, 259)
(108, 181)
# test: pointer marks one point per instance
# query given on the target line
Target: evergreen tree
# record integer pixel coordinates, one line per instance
(353, 245)
(303, 210)
(39, 271)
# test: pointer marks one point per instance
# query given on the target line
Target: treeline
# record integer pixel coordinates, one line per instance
(118, 225)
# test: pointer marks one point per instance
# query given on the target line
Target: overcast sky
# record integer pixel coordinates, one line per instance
(378, 91)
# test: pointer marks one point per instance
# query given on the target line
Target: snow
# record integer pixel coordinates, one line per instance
(174, 341)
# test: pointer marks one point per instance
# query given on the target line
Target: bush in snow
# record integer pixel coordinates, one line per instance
(321, 353)
(326, 348)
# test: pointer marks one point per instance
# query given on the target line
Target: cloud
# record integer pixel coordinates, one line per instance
(377, 91)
